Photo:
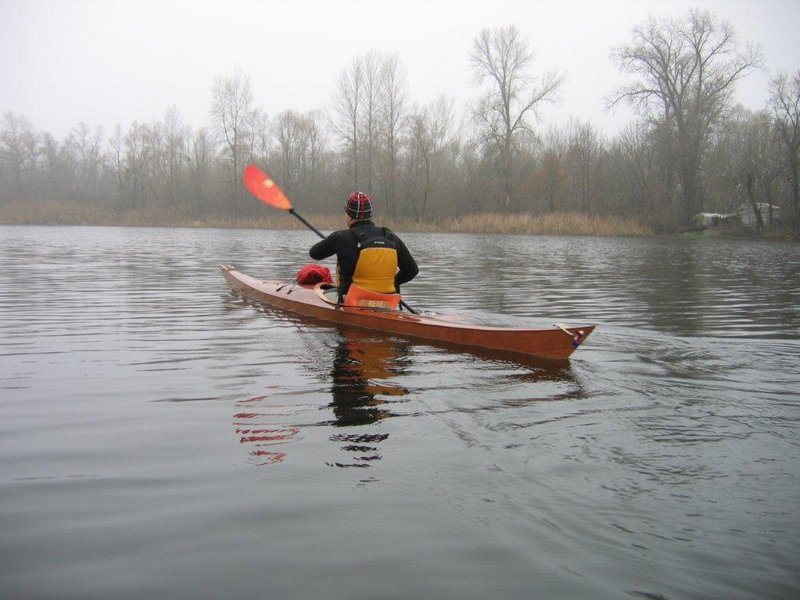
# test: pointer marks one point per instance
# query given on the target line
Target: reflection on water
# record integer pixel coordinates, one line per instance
(138, 397)
(253, 427)
(369, 380)
(362, 391)
(363, 365)
(713, 287)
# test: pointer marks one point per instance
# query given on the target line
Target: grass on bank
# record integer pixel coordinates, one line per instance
(571, 223)
(64, 213)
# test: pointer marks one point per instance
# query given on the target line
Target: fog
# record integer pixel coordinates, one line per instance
(115, 62)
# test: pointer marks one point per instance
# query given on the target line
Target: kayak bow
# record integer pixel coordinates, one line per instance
(556, 342)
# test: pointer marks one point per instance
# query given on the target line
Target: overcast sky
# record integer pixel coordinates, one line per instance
(109, 62)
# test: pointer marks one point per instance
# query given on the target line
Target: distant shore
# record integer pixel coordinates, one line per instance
(551, 224)
(63, 213)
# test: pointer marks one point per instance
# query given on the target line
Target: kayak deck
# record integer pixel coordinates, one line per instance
(557, 342)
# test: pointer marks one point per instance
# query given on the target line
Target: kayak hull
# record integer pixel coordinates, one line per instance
(557, 342)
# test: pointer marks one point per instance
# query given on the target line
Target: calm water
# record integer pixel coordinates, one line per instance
(159, 438)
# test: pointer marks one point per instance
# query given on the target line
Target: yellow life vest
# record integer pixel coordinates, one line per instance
(377, 262)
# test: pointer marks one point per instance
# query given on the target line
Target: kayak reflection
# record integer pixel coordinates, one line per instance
(361, 373)
(362, 392)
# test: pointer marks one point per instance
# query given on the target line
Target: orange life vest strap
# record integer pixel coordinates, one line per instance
(358, 296)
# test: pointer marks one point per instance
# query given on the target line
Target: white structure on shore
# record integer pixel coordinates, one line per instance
(744, 216)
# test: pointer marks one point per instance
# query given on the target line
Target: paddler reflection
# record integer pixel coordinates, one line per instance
(364, 365)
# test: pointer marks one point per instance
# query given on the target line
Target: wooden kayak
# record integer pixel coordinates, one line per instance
(556, 342)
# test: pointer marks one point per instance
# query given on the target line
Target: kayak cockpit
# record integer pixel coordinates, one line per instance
(357, 297)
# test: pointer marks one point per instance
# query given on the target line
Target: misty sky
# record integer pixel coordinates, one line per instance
(109, 62)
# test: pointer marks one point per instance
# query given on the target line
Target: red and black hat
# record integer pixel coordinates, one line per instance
(358, 206)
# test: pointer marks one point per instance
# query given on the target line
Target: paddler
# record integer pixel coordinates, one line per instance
(368, 258)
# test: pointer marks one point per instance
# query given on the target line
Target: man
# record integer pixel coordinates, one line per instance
(368, 257)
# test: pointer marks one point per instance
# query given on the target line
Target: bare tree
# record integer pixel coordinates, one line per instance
(638, 175)
(584, 152)
(129, 163)
(289, 138)
(393, 101)
(502, 57)
(347, 110)
(429, 131)
(368, 109)
(417, 171)
(313, 167)
(262, 139)
(176, 139)
(686, 72)
(117, 164)
(552, 171)
(371, 68)
(18, 155)
(58, 169)
(785, 105)
(86, 147)
(234, 119)
(748, 143)
(298, 154)
(317, 145)
(201, 159)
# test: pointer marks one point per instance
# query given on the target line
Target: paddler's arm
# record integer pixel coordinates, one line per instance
(406, 264)
(324, 248)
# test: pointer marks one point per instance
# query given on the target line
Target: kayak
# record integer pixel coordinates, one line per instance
(556, 342)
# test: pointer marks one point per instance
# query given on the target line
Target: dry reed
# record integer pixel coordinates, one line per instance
(65, 213)
(571, 223)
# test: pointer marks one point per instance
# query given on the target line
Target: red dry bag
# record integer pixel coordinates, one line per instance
(313, 274)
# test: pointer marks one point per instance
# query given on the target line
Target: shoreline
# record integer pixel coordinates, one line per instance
(551, 224)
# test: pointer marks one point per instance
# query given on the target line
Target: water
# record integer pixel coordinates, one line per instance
(161, 438)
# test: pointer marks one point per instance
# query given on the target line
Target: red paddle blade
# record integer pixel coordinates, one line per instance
(262, 187)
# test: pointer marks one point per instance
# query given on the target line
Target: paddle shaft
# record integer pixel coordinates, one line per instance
(307, 224)
(319, 233)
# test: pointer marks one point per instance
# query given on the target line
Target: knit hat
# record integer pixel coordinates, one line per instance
(358, 206)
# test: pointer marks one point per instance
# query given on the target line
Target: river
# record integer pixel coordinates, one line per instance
(161, 438)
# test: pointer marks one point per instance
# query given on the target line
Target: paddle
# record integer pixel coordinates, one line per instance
(262, 187)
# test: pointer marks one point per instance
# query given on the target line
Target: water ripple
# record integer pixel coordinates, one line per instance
(181, 434)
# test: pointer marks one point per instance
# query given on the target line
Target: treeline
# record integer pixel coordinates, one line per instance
(688, 148)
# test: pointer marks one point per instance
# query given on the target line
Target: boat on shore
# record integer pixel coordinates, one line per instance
(557, 342)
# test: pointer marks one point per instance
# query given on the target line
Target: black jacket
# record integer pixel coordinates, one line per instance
(344, 245)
